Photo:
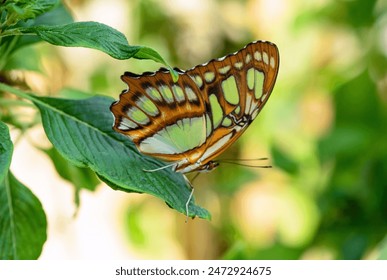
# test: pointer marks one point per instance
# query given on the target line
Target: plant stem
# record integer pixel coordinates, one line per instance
(17, 92)
(11, 102)
(12, 32)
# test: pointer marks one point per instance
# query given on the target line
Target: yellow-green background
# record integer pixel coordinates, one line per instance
(324, 130)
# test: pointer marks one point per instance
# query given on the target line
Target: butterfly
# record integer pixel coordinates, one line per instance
(190, 122)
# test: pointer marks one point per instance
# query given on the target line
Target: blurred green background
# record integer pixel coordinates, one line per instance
(324, 128)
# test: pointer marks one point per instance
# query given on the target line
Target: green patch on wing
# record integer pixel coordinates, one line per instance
(230, 90)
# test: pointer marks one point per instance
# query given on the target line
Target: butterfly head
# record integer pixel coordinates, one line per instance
(208, 166)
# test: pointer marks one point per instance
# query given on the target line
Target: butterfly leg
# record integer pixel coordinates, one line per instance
(162, 167)
(189, 198)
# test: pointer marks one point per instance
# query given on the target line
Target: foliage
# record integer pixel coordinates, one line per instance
(80, 130)
(22, 219)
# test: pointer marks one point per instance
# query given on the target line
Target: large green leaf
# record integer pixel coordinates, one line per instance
(90, 34)
(82, 132)
(97, 36)
(22, 219)
(23, 222)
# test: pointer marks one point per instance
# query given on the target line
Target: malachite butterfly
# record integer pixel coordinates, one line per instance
(190, 122)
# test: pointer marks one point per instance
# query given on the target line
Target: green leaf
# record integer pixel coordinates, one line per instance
(82, 132)
(92, 35)
(6, 149)
(97, 36)
(22, 219)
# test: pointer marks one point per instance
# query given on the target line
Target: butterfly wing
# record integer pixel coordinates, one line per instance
(163, 118)
(235, 88)
(192, 121)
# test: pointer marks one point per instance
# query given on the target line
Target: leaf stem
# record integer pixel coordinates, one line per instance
(12, 102)
(17, 92)
(13, 32)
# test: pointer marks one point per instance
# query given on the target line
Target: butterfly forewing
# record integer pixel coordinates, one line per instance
(235, 87)
(161, 116)
(195, 119)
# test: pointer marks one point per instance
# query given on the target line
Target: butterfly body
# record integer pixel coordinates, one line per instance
(193, 120)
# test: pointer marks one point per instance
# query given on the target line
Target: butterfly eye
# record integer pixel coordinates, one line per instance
(213, 165)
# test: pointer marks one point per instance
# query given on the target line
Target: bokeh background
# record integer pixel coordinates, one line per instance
(324, 130)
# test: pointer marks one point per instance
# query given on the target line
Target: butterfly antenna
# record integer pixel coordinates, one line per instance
(244, 159)
(159, 168)
(240, 162)
(247, 165)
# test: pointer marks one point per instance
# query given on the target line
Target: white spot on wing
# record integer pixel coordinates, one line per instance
(248, 58)
(272, 62)
(198, 80)
(209, 76)
(224, 69)
(265, 58)
(238, 65)
(257, 56)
